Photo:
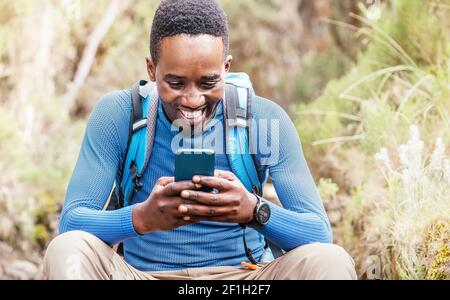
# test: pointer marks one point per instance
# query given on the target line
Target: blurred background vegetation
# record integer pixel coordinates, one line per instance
(366, 82)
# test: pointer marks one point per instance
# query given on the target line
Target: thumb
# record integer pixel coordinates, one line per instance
(225, 175)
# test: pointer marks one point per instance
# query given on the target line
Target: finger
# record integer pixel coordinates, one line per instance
(161, 183)
(198, 210)
(213, 182)
(185, 220)
(223, 219)
(212, 199)
(173, 212)
(164, 180)
(225, 174)
(175, 188)
(168, 206)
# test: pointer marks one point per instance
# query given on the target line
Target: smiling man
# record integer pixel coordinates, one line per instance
(171, 230)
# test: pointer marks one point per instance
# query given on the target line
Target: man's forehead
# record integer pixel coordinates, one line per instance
(199, 49)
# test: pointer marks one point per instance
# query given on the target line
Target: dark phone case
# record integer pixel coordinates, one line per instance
(190, 162)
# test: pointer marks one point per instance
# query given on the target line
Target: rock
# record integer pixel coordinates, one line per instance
(334, 217)
(5, 248)
(21, 269)
(6, 228)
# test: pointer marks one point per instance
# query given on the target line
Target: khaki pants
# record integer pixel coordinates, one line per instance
(80, 255)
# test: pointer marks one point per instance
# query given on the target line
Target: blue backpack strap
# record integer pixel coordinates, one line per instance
(240, 148)
(238, 138)
(140, 140)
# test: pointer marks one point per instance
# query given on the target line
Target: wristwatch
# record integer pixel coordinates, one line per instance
(261, 213)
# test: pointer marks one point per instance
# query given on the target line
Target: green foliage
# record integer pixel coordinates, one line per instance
(380, 67)
(327, 189)
(400, 79)
(317, 69)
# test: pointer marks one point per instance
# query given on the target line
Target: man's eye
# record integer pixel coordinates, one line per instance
(176, 85)
(209, 84)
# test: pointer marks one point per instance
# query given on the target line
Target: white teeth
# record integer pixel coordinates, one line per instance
(192, 114)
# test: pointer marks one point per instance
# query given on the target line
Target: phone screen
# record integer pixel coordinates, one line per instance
(190, 162)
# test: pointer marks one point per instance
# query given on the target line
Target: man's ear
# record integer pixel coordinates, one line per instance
(151, 69)
(228, 62)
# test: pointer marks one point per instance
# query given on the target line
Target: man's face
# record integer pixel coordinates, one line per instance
(190, 76)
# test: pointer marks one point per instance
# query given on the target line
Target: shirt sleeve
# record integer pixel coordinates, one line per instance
(94, 174)
(302, 219)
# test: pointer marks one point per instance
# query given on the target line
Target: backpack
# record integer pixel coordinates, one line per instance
(238, 142)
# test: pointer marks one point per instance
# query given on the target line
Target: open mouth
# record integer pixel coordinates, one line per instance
(193, 115)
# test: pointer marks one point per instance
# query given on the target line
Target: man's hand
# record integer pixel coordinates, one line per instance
(160, 211)
(232, 204)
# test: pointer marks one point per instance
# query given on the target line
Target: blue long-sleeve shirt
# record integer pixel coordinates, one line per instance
(301, 220)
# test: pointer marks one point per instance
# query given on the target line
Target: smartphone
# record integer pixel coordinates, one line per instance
(190, 162)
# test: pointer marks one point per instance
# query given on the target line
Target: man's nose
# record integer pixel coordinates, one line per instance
(194, 99)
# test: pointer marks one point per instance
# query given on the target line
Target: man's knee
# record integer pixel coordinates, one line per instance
(322, 261)
(323, 252)
(70, 242)
(64, 254)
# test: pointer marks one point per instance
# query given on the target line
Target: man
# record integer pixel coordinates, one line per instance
(165, 236)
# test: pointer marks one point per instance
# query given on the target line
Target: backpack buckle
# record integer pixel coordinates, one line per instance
(137, 184)
(238, 122)
(256, 190)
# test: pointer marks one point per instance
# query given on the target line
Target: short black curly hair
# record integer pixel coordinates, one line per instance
(192, 17)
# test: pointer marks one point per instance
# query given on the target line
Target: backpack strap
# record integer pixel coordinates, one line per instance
(143, 132)
(241, 153)
(238, 144)
(144, 104)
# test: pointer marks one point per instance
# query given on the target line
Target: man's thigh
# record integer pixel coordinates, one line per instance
(81, 255)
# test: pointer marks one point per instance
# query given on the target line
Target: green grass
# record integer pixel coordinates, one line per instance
(400, 79)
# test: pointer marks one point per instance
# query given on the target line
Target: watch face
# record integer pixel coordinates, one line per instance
(263, 213)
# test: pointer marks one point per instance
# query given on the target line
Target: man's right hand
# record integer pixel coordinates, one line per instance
(160, 211)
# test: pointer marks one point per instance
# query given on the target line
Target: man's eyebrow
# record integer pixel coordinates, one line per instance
(211, 77)
(173, 77)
